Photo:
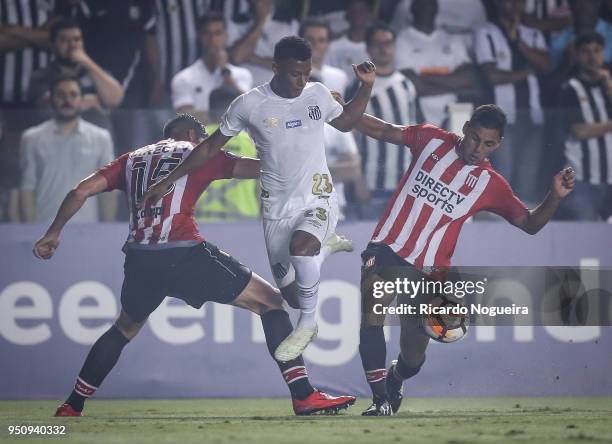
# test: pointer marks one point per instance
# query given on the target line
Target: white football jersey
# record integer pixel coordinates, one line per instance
(288, 134)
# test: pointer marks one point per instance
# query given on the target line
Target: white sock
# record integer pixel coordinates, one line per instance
(307, 275)
(323, 254)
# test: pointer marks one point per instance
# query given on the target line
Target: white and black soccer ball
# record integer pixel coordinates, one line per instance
(445, 328)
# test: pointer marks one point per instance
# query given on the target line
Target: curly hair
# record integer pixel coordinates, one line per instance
(181, 123)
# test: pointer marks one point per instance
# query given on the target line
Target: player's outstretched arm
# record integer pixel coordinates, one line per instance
(374, 127)
(562, 185)
(366, 73)
(74, 200)
(246, 168)
(381, 130)
(204, 151)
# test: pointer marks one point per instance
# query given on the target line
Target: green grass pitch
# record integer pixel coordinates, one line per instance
(422, 420)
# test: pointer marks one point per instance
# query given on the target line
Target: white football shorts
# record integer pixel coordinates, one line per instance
(320, 220)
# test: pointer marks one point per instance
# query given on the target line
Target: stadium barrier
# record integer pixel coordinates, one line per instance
(52, 311)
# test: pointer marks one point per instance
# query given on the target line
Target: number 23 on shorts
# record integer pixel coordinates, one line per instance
(321, 214)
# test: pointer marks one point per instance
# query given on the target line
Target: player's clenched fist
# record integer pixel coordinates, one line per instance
(366, 72)
(45, 247)
(564, 182)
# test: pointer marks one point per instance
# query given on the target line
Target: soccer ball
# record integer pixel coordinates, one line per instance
(445, 327)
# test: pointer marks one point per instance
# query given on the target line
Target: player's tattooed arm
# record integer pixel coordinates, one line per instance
(74, 200)
(203, 152)
(366, 73)
(535, 219)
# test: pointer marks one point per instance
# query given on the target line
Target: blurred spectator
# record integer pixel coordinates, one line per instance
(229, 199)
(587, 104)
(23, 47)
(606, 11)
(351, 48)
(344, 165)
(9, 177)
(459, 17)
(393, 99)
(120, 36)
(100, 89)
(243, 17)
(192, 86)
(510, 54)
(24, 40)
(331, 12)
(547, 15)
(317, 34)
(177, 35)
(585, 20)
(252, 41)
(437, 63)
(58, 153)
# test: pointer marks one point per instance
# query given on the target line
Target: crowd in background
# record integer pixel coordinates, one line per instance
(82, 81)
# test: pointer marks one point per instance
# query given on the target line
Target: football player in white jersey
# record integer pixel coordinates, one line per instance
(285, 118)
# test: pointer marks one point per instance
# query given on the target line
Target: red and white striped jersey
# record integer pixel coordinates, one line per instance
(171, 222)
(436, 195)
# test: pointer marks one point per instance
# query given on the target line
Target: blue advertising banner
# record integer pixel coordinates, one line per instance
(52, 311)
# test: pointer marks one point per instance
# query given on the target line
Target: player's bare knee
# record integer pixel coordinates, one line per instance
(301, 249)
(271, 296)
(304, 244)
(259, 296)
(272, 300)
(257, 308)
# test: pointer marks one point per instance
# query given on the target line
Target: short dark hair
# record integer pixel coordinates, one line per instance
(590, 37)
(292, 47)
(56, 80)
(183, 122)
(375, 27)
(60, 25)
(313, 23)
(210, 17)
(220, 98)
(489, 116)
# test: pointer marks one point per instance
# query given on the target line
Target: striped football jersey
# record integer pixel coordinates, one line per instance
(436, 195)
(170, 222)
